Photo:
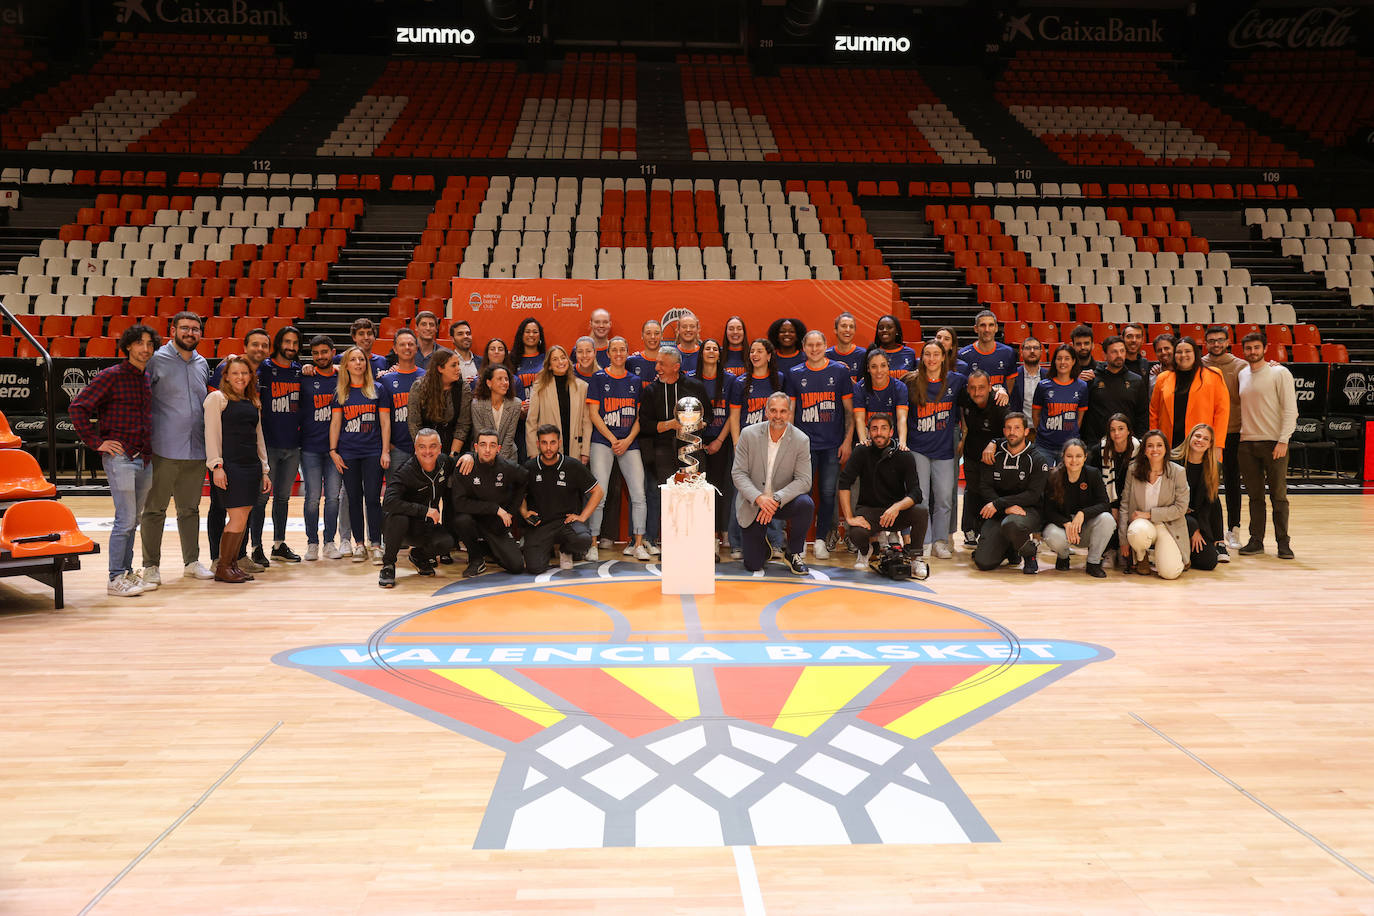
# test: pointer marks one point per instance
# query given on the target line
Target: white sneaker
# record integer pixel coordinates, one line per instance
(1233, 539)
(331, 552)
(642, 553)
(592, 555)
(820, 551)
(940, 549)
(198, 570)
(629, 550)
(312, 551)
(565, 560)
(345, 547)
(736, 553)
(359, 552)
(860, 560)
(124, 586)
(150, 579)
(376, 553)
(652, 548)
(606, 543)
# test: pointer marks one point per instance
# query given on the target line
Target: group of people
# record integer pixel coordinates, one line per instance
(519, 452)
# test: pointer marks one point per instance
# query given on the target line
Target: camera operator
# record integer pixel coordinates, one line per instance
(412, 508)
(891, 490)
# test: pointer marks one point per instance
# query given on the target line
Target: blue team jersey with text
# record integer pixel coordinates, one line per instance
(1061, 412)
(853, 360)
(317, 397)
(820, 395)
(881, 400)
(736, 361)
(527, 368)
(393, 393)
(690, 358)
(902, 359)
(932, 427)
(998, 364)
(751, 412)
(616, 398)
(720, 404)
(360, 430)
(279, 387)
(787, 363)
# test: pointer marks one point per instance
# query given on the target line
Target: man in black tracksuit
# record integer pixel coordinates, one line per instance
(559, 498)
(485, 502)
(889, 490)
(413, 508)
(981, 418)
(1011, 492)
(1116, 389)
(658, 424)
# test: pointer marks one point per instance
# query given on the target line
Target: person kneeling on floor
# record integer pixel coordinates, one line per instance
(890, 494)
(413, 508)
(1077, 510)
(485, 501)
(1011, 492)
(560, 496)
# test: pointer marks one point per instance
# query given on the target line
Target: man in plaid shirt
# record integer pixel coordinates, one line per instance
(120, 400)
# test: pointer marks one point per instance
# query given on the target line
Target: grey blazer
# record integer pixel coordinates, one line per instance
(1173, 504)
(791, 471)
(511, 423)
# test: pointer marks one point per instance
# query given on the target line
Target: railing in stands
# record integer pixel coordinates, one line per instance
(49, 385)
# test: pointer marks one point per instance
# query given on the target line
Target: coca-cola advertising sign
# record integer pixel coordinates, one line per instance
(1316, 27)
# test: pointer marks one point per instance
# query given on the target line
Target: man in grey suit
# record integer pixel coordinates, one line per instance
(772, 475)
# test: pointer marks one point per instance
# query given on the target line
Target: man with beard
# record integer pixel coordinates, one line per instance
(1023, 382)
(1133, 335)
(318, 474)
(178, 376)
(1081, 340)
(415, 490)
(560, 496)
(1116, 389)
(1011, 493)
(460, 332)
(279, 387)
(889, 493)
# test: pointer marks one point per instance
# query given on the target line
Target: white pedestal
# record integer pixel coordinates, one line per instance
(689, 539)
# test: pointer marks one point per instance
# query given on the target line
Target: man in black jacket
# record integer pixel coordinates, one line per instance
(889, 490)
(485, 501)
(658, 428)
(1116, 389)
(1011, 492)
(981, 419)
(559, 498)
(413, 508)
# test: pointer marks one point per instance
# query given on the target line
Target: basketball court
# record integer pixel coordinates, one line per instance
(580, 743)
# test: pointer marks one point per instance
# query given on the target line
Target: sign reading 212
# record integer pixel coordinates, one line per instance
(778, 711)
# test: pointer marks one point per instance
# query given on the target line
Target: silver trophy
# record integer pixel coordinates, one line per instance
(688, 412)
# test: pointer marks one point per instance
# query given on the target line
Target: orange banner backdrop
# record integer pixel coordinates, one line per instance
(563, 307)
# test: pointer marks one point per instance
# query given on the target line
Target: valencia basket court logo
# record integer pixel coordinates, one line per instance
(778, 711)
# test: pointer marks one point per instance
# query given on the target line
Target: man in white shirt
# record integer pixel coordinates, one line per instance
(772, 476)
(1269, 414)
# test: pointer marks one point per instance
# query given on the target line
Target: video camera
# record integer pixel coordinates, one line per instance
(892, 563)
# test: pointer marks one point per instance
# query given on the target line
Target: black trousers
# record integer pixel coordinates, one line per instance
(1206, 558)
(570, 537)
(1003, 533)
(974, 468)
(408, 530)
(917, 518)
(717, 469)
(610, 515)
(484, 535)
(1230, 479)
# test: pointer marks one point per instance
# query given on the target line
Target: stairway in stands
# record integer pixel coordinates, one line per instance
(361, 284)
(661, 128)
(1329, 309)
(969, 96)
(19, 242)
(304, 126)
(929, 283)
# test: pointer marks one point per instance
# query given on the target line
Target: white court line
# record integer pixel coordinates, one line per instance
(748, 881)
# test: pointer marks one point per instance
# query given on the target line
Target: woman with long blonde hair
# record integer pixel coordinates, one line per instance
(358, 446)
(1206, 537)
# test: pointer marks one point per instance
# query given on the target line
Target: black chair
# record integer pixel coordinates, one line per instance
(1308, 437)
(1345, 435)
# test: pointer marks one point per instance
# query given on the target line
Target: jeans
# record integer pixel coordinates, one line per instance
(180, 479)
(282, 464)
(130, 479)
(318, 475)
(825, 470)
(797, 513)
(632, 468)
(938, 480)
(1096, 534)
(362, 481)
(1259, 467)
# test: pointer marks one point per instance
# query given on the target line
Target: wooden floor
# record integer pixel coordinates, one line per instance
(1221, 762)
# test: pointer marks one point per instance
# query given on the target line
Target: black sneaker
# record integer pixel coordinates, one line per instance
(260, 558)
(421, 561)
(797, 563)
(1251, 548)
(445, 559)
(1061, 563)
(1096, 571)
(474, 569)
(1030, 566)
(285, 554)
(1285, 551)
(1223, 555)
(387, 577)
(970, 539)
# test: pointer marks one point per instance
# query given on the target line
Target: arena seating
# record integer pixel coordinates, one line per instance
(256, 260)
(1324, 94)
(17, 62)
(1338, 244)
(810, 114)
(1125, 110)
(161, 94)
(38, 538)
(491, 109)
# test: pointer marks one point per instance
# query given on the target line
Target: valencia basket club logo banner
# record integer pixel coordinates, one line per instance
(778, 711)
(563, 307)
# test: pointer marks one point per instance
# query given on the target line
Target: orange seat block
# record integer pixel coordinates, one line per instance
(21, 477)
(43, 519)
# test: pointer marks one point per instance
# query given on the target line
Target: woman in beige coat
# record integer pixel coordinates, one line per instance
(559, 397)
(1154, 503)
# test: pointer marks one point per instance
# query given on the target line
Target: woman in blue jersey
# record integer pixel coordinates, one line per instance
(736, 352)
(715, 439)
(746, 408)
(355, 446)
(887, 338)
(584, 359)
(932, 427)
(879, 392)
(645, 363)
(949, 339)
(786, 336)
(846, 350)
(529, 351)
(613, 398)
(1059, 405)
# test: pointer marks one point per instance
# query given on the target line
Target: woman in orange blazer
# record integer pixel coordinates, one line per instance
(1208, 400)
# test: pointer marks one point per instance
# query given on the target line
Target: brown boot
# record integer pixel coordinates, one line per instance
(245, 575)
(1142, 566)
(225, 570)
